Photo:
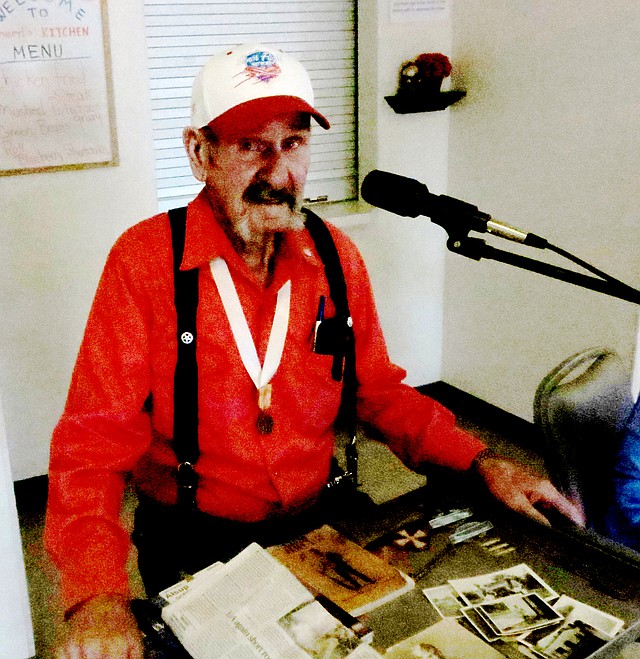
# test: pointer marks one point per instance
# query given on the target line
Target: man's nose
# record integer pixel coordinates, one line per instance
(275, 169)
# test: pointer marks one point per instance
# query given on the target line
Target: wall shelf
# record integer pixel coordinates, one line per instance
(410, 103)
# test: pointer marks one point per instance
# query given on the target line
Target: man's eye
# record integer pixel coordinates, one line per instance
(251, 146)
(294, 143)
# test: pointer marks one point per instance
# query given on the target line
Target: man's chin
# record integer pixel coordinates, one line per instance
(273, 218)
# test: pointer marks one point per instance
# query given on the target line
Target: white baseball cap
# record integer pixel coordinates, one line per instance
(248, 84)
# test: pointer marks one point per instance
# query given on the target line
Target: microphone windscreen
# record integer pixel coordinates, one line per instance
(395, 193)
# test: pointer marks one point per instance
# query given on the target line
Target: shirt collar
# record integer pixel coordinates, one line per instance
(206, 240)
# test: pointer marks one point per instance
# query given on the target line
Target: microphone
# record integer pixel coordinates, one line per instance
(410, 198)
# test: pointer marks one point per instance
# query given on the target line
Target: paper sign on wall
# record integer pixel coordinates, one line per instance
(55, 86)
(419, 10)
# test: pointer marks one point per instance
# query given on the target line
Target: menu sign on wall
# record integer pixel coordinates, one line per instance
(55, 86)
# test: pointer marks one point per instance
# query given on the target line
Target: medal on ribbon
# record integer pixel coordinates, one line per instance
(265, 420)
(260, 374)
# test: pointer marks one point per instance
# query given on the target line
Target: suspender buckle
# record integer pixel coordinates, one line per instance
(345, 477)
(351, 452)
(187, 485)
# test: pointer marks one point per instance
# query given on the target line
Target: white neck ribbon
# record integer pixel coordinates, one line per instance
(259, 374)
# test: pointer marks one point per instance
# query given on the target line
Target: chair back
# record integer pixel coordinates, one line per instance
(581, 407)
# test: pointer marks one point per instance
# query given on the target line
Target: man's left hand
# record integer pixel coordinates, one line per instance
(524, 491)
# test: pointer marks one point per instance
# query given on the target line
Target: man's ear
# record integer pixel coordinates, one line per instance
(196, 146)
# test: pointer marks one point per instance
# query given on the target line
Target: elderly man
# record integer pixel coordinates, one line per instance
(267, 402)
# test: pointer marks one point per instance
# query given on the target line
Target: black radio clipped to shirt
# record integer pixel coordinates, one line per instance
(332, 336)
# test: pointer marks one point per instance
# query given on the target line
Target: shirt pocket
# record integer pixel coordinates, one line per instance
(313, 394)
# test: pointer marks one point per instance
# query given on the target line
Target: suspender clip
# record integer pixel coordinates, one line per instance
(187, 485)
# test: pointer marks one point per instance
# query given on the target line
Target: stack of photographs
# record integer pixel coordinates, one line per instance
(517, 605)
(583, 630)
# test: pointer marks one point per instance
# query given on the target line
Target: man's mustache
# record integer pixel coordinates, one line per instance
(261, 193)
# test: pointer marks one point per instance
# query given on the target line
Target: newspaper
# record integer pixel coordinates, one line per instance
(253, 606)
(180, 589)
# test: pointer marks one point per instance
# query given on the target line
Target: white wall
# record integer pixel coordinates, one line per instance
(405, 256)
(546, 139)
(55, 233)
(16, 628)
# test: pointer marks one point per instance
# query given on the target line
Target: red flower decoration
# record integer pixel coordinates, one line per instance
(433, 65)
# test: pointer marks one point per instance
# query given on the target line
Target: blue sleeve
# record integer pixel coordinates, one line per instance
(623, 517)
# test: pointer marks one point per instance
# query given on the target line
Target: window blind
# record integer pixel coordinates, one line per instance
(182, 34)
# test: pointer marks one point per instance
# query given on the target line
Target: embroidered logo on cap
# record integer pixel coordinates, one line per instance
(260, 66)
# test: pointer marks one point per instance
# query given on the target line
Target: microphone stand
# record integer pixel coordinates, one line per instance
(475, 248)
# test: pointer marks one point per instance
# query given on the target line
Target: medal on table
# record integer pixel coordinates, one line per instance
(260, 374)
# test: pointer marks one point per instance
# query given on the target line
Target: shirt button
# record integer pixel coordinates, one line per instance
(307, 252)
(186, 338)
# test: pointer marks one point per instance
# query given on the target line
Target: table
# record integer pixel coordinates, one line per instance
(572, 561)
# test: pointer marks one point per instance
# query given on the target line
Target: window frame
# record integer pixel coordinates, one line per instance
(314, 190)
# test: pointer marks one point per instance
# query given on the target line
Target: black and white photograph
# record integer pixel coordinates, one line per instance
(445, 601)
(572, 609)
(489, 587)
(479, 624)
(317, 632)
(604, 626)
(517, 613)
(575, 640)
(446, 639)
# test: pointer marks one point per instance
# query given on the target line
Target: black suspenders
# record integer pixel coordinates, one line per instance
(344, 355)
(185, 403)
(185, 380)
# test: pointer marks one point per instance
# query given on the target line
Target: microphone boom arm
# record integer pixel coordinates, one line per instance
(476, 248)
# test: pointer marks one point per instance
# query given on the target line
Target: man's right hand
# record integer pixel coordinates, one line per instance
(103, 627)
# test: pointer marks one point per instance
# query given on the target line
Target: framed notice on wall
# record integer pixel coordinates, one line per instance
(56, 106)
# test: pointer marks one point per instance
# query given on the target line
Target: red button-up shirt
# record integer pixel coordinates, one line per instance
(129, 351)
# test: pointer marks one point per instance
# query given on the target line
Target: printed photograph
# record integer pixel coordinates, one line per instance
(571, 609)
(318, 633)
(574, 640)
(445, 601)
(517, 613)
(594, 628)
(516, 580)
(444, 640)
(479, 624)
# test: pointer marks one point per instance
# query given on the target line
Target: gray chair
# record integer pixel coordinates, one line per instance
(580, 408)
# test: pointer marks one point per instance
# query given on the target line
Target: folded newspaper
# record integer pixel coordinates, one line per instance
(253, 606)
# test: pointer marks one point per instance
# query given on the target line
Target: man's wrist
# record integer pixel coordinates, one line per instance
(485, 454)
(108, 599)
